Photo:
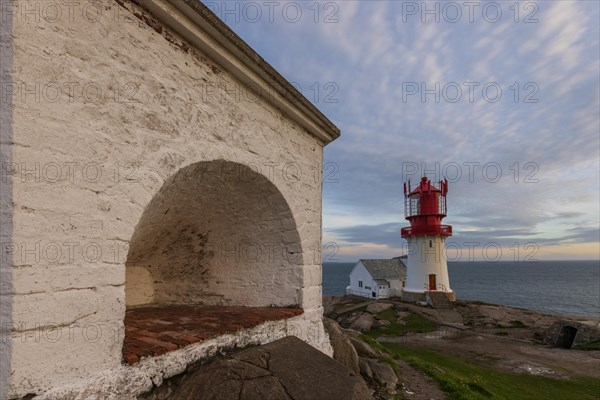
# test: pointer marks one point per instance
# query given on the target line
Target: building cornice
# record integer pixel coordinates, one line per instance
(193, 21)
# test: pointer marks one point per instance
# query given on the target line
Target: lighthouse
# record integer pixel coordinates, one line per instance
(427, 271)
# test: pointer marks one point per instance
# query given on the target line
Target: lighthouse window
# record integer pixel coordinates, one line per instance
(414, 204)
(430, 244)
(442, 204)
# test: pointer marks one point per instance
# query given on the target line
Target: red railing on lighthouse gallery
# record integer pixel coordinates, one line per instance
(427, 230)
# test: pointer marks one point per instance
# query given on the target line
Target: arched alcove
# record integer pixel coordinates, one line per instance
(215, 251)
(217, 233)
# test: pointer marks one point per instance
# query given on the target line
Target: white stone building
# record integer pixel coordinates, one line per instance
(377, 279)
(149, 156)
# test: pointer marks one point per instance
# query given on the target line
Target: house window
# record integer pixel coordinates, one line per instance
(360, 284)
(403, 283)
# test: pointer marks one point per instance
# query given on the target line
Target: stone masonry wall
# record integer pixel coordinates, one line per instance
(108, 105)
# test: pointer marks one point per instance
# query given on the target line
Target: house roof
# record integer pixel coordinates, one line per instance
(385, 268)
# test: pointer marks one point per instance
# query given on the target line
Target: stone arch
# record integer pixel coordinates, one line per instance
(216, 233)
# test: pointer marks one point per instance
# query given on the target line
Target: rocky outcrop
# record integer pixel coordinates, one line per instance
(287, 369)
(374, 366)
(380, 323)
(383, 374)
(343, 350)
(375, 308)
(506, 338)
(363, 349)
(570, 334)
(363, 323)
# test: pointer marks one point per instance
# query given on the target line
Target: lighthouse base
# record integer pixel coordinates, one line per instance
(421, 296)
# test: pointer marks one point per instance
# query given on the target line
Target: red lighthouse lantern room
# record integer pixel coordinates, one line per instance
(424, 208)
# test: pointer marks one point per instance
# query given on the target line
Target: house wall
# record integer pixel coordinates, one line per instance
(396, 287)
(360, 273)
(383, 291)
(108, 106)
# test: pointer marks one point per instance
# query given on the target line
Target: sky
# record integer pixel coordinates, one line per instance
(500, 98)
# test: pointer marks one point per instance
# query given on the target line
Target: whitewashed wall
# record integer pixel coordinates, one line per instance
(360, 273)
(106, 110)
(396, 287)
(424, 260)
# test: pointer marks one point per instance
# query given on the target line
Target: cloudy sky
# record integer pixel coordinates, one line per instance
(502, 99)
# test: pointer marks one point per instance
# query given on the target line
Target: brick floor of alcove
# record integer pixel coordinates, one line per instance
(156, 330)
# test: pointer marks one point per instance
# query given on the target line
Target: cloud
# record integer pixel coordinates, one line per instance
(382, 234)
(384, 240)
(569, 214)
(544, 128)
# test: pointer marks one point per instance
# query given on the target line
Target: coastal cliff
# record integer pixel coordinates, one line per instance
(471, 350)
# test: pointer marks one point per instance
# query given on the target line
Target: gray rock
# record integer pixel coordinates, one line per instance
(223, 380)
(363, 323)
(375, 308)
(343, 350)
(402, 314)
(346, 320)
(265, 388)
(503, 324)
(364, 349)
(365, 370)
(384, 374)
(379, 323)
(283, 370)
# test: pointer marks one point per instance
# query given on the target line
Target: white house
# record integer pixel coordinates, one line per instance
(378, 279)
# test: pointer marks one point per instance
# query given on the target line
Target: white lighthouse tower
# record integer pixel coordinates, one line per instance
(427, 271)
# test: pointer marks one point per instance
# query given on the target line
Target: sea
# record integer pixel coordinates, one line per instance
(552, 287)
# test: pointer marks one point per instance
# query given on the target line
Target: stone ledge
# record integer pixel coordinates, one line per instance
(153, 331)
(131, 381)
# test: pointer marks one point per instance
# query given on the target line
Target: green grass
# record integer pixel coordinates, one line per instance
(465, 380)
(389, 315)
(372, 342)
(414, 323)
